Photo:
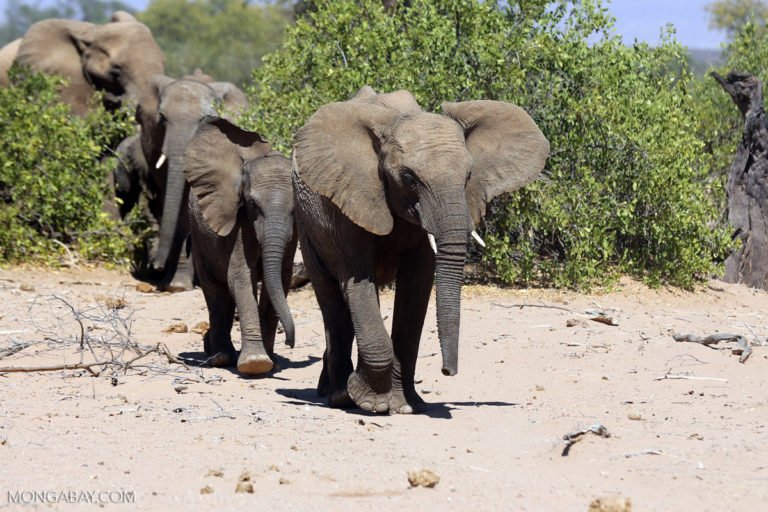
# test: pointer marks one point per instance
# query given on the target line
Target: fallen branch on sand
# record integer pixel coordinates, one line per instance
(100, 336)
(574, 437)
(13, 349)
(742, 348)
(594, 315)
(681, 376)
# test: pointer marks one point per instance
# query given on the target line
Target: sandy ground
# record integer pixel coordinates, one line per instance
(171, 437)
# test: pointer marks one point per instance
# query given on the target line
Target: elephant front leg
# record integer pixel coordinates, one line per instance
(414, 285)
(370, 385)
(253, 359)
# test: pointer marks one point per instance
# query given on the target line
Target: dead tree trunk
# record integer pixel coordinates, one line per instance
(748, 184)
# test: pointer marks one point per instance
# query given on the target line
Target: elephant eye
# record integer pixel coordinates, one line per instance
(409, 180)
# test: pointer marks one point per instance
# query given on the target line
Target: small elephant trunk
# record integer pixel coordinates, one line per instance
(172, 234)
(278, 237)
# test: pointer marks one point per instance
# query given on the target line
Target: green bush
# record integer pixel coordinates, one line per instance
(53, 183)
(625, 188)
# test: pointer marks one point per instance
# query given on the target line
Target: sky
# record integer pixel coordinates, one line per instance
(635, 19)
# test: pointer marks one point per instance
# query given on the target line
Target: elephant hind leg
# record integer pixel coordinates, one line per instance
(217, 342)
(339, 332)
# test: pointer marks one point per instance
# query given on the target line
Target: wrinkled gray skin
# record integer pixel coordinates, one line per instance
(168, 116)
(242, 225)
(118, 58)
(372, 176)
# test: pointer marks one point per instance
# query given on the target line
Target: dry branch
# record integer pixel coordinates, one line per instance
(574, 437)
(103, 332)
(742, 348)
(14, 349)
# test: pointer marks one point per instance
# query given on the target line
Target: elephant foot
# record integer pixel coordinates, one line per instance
(365, 397)
(176, 286)
(406, 403)
(340, 399)
(323, 384)
(254, 364)
(221, 360)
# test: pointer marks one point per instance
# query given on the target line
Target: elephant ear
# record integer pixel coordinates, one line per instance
(508, 149)
(336, 155)
(53, 47)
(213, 166)
(232, 99)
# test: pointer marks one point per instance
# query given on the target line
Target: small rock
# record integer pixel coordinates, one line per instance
(178, 328)
(244, 487)
(206, 490)
(145, 288)
(635, 416)
(111, 302)
(201, 328)
(284, 481)
(575, 322)
(697, 437)
(25, 287)
(423, 478)
(611, 504)
(215, 472)
(180, 389)
(539, 387)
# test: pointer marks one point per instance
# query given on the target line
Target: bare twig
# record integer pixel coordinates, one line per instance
(14, 349)
(54, 368)
(680, 376)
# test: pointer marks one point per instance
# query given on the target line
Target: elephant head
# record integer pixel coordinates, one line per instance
(232, 170)
(379, 156)
(169, 117)
(118, 58)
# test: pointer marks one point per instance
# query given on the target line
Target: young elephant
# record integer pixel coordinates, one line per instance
(386, 191)
(242, 226)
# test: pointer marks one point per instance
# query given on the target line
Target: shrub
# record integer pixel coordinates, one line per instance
(625, 187)
(52, 182)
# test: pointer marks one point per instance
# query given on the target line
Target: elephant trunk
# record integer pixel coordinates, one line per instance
(171, 236)
(277, 236)
(450, 231)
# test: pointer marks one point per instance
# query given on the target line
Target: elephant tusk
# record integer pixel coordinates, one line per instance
(432, 242)
(160, 161)
(477, 237)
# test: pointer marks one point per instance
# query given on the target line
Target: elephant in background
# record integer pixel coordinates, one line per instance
(7, 56)
(241, 220)
(151, 164)
(118, 58)
(385, 191)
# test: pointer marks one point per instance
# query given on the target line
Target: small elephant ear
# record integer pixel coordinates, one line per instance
(213, 166)
(232, 99)
(336, 155)
(508, 149)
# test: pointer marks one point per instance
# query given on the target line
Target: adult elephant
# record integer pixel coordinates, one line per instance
(118, 58)
(386, 191)
(241, 217)
(152, 164)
